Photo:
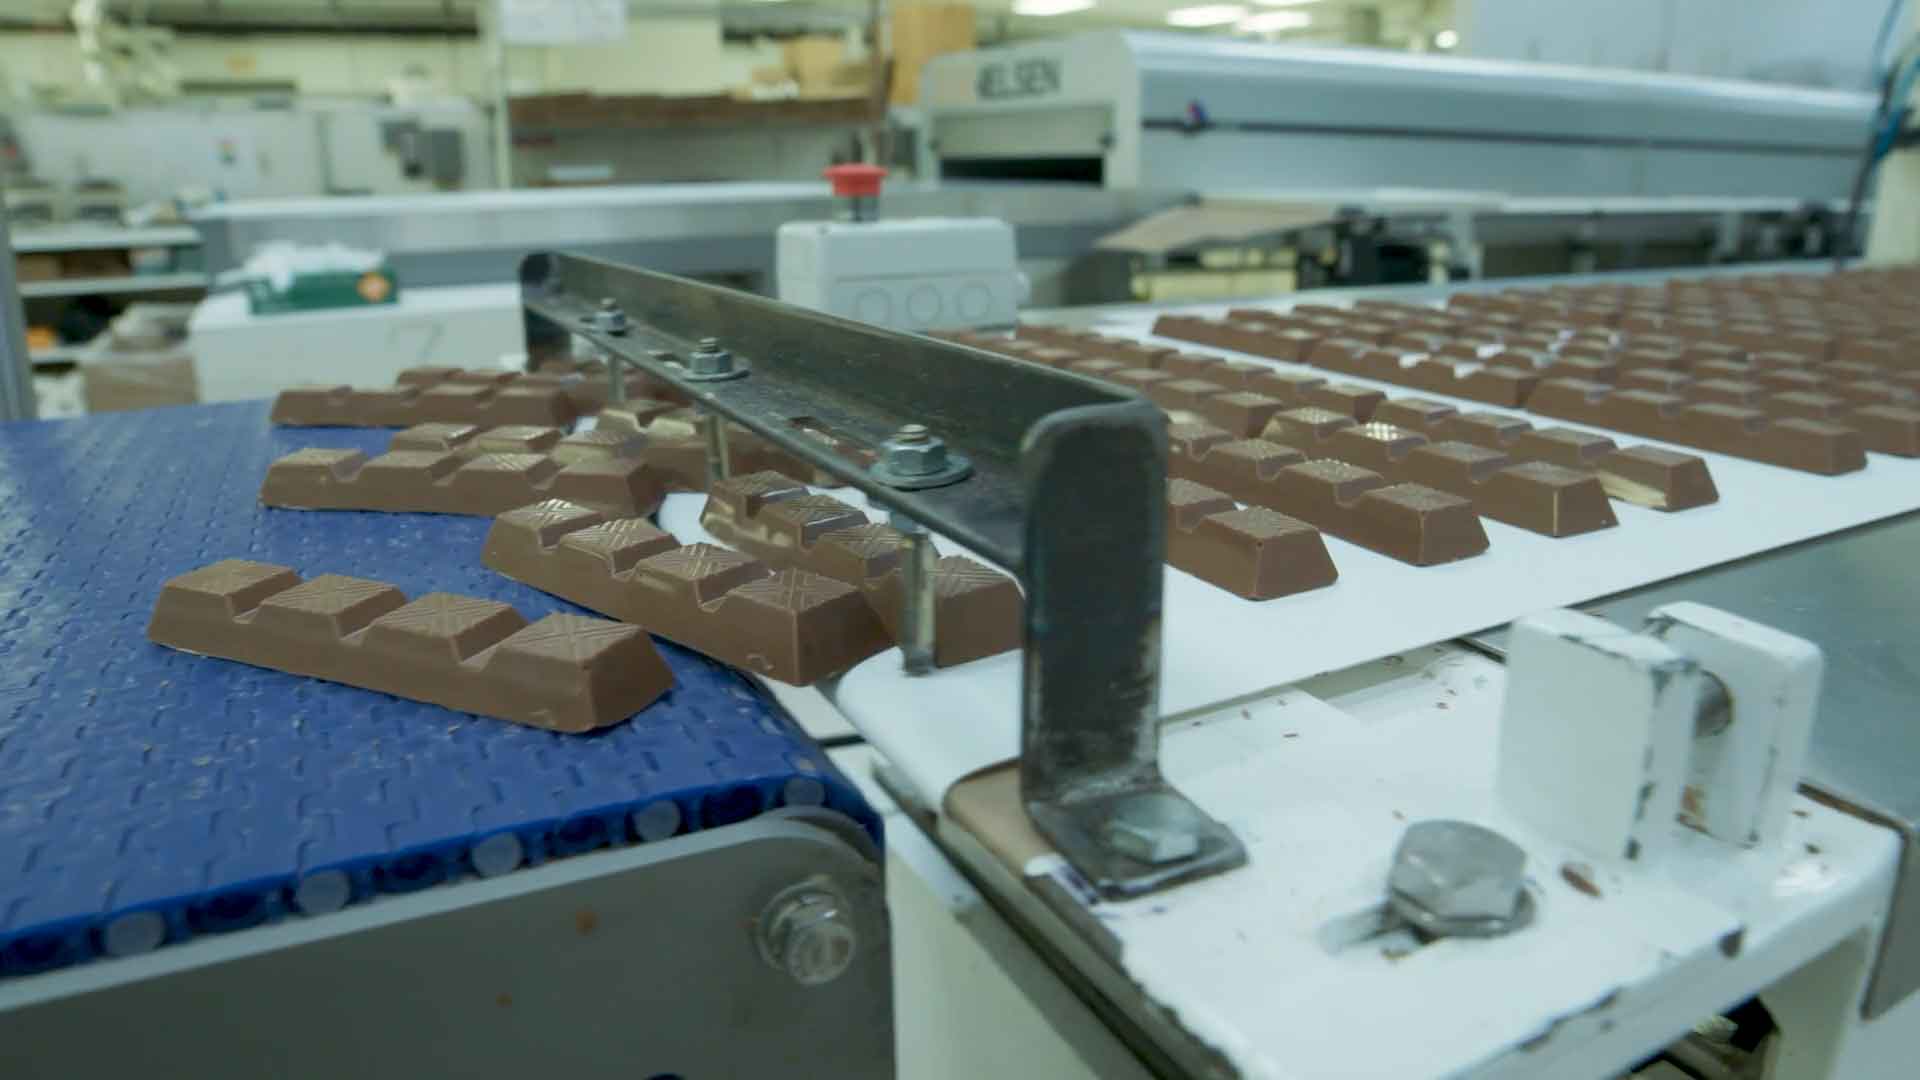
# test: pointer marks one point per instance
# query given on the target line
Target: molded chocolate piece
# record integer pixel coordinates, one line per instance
(446, 482)
(1808, 445)
(1536, 496)
(1405, 521)
(977, 609)
(565, 673)
(470, 441)
(1254, 552)
(789, 625)
(435, 394)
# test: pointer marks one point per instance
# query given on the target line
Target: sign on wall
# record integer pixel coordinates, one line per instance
(563, 22)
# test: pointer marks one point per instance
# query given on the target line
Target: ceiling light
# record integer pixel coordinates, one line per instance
(1446, 39)
(1040, 9)
(1206, 15)
(1284, 3)
(1268, 22)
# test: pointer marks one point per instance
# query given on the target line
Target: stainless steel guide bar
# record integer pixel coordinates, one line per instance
(1066, 490)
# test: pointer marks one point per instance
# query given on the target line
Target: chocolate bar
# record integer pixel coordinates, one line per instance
(1536, 496)
(1251, 552)
(790, 625)
(448, 482)
(1642, 475)
(676, 448)
(976, 611)
(565, 673)
(1808, 445)
(435, 395)
(469, 441)
(1409, 522)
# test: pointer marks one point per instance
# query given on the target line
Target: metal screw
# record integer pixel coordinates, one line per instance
(1153, 828)
(807, 931)
(914, 451)
(609, 317)
(1457, 879)
(709, 359)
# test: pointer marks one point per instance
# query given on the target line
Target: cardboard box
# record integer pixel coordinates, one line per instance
(36, 267)
(813, 57)
(116, 381)
(920, 32)
(94, 264)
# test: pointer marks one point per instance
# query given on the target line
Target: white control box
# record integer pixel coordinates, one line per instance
(910, 274)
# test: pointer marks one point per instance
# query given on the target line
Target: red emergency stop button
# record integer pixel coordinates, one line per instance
(856, 181)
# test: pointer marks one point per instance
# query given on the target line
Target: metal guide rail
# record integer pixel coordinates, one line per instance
(985, 442)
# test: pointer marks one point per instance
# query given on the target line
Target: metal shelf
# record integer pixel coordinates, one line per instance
(58, 356)
(86, 237)
(129, 283)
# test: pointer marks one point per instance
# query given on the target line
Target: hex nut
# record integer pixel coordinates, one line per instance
(1458, 877)
(1152, 828)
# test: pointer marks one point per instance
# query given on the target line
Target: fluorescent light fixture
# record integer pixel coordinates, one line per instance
(1446, 39)
(1206, 15)
(1040, 9)
(1268, 22)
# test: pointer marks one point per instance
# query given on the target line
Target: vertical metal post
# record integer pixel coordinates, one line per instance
(916, 595)
(16, 367)
(616, 378)
(719, 467)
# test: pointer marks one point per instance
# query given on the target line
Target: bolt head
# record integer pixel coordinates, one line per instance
(808, 932)
(910, 454)
(1152, 828)
(1458, 871)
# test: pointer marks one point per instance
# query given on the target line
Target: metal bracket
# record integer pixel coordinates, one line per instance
(1093, 457)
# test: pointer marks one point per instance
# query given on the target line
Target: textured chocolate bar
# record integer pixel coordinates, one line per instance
(1536, 496)
(430, 395)
(976, 611)
(790, 625)
(1808, 445)
(1253, 552)
(446, 482)
(676, 448)
(564, 673)
(1133, 354)
(1405, 521)
(468, 440)
(1643, 475)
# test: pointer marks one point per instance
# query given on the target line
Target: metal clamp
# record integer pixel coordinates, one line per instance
(1030, 439)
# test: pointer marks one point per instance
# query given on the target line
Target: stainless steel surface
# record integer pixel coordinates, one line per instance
(917, 598)
(16, 367)
(1093, 456)
(1856, 595)
(690, 229)
(621, 963)
(1458, 879)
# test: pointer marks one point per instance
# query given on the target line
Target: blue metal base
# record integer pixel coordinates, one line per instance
(134, 778)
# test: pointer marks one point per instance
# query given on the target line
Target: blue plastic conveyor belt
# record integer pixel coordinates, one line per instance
(198, 795)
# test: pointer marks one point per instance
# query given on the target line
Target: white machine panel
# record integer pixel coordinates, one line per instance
(910, 274)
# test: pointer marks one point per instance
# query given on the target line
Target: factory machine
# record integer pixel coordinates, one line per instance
(1519, 168)
(1457, 743)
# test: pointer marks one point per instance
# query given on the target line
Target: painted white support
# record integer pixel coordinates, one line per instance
(1741, 778)
(1594, 733)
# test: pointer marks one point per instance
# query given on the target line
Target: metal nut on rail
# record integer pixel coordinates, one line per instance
(915, 457)
(608, 318)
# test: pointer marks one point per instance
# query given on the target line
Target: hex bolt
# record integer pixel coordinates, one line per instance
(807, 931)
(914, 451)
(709, 359)
(1458, 879)
(609, 318)
(1152, 827)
